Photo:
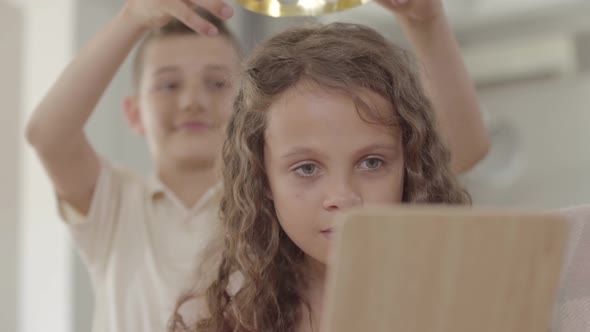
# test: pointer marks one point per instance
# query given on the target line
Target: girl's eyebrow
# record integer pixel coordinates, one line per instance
(375, 147)
(299, 151)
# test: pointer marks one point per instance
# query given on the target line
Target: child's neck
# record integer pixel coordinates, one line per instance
(188, 184)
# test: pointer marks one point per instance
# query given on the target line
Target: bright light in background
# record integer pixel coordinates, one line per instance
(274, 8)
(311, 4)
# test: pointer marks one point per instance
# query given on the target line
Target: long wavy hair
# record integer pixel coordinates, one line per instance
(336, 57)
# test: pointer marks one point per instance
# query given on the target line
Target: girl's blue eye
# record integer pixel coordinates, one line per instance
(372, 163)
(306, 170)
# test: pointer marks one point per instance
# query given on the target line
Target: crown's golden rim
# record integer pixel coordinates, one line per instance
(290, 8)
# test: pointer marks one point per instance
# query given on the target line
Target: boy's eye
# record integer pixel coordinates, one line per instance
(371, 163)
(217, 84)
(306, 170)
(168, 86)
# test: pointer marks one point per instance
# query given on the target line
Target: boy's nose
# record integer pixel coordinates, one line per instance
(193, 107)
(194, 100)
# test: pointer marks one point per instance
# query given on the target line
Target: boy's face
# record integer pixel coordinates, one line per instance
(321, 159)
(184, 98)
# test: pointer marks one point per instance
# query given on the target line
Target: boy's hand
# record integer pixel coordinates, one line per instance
(156, 13)
(414, 10)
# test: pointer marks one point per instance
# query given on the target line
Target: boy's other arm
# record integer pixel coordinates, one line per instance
(445, 78)
(451, 90)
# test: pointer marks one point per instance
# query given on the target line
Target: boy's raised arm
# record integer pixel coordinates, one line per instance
(56, 128)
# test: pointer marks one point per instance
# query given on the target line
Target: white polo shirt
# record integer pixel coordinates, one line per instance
(137, 242)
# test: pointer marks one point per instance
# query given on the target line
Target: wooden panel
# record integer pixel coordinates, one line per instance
(444, 270)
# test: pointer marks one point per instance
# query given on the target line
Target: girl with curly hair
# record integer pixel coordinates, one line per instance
(327, 118)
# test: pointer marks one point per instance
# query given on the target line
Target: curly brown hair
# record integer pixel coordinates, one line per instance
(337, 57)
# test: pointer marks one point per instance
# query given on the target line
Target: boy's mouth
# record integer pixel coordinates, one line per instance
(194, 126)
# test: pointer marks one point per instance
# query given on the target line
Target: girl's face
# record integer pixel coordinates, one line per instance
(321, 159)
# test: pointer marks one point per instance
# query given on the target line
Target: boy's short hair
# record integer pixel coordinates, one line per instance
(177, 28)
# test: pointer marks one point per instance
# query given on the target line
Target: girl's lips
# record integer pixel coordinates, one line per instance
(328, 232)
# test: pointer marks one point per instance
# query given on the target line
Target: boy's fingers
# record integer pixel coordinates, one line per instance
(187, 15)
(216, 7)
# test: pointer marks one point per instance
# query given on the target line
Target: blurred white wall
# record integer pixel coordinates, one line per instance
(10, 84)
(552, 124)
(44, 251)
